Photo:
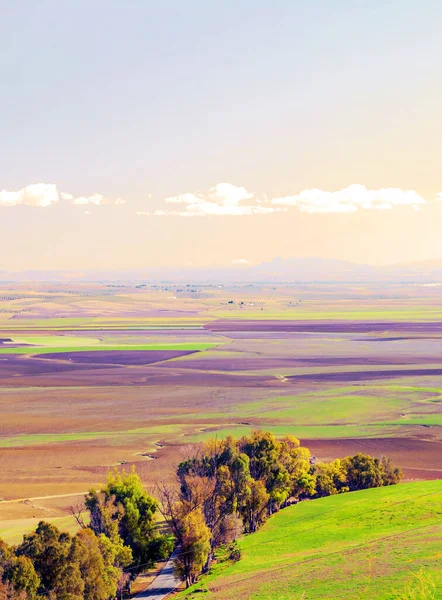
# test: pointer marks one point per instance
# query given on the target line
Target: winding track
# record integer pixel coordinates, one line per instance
(163, 585)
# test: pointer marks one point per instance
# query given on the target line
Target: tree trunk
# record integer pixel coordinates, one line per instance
(208, 562)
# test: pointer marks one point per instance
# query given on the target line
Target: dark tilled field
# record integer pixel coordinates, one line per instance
(324, 326)
(419, 459)
(80, 374)
(353, 376)
(264, 363)
(117, 357)
(14, 365)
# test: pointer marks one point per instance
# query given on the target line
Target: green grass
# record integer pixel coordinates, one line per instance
(102, 347)
(94, 323)
(71, 322)
(329, 410)
(109, 437)
(12, 531)
(346, 314)
(368, 544)
(55, 340)
(303, 432)
(340, 412)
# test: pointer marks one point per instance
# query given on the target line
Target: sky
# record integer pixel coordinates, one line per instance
(145, 133)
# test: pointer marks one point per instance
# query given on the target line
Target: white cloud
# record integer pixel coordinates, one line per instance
(228, 194)
(240, 261)
(94, 199)
(227, 199)
(184, 199)
(439, 197)
(38, 194)
(222, 200)
(45, 194)
(351, 199)
(143, 213)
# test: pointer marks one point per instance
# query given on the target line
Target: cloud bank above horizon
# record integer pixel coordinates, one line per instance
(42, 195)
(226, 199)
(351, 199)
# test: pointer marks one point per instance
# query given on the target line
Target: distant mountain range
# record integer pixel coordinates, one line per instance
(277, 270)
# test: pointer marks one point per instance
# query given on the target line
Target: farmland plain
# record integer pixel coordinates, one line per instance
(97, 375)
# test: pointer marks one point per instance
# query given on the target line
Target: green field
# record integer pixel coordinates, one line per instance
(103, 347)
(142, 434)
(55, 340)
(302, 432)
(12, 531)
(418, 313)
(94, 323)
(381, 543)
(342, 412)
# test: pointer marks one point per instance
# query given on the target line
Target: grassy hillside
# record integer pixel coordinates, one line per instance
(383, 543)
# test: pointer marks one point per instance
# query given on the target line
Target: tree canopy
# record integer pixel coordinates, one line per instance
(234, 485)
(223, 488)
(125, 513)
(121, 534)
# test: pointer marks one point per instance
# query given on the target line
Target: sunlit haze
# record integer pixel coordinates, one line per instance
(143, 134)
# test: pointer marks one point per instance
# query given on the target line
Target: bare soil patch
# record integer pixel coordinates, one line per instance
(264, 363)
(13, 365)
(324, 326)
(419, 459)
(141, 376)
(117, 357)
(353, 376)
(72, 467)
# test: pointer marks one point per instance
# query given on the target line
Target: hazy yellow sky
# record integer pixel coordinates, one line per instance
(164, 134)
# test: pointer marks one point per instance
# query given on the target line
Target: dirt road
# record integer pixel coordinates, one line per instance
(163, 585)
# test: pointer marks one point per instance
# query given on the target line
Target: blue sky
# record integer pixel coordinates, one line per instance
(144, 101)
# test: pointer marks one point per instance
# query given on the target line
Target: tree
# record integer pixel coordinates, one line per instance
(255, 506)
(20, 576)
(195, 546)
(219, 477)
(229, 530)
(263, 450)
(116, 556)
(68, 584)
(7, 592)
(284, 466)
(330, 478)
(390, 475)
(363, 472)
(171, 506)
(5, 556)
(251, 478)
(123, 508)
(240, 473)
(278, 485)
(205, 482)
(86, 551)
(48, 549)
(296, 459)
(105, 513)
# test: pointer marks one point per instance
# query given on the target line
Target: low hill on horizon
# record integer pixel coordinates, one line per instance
(308, 270)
